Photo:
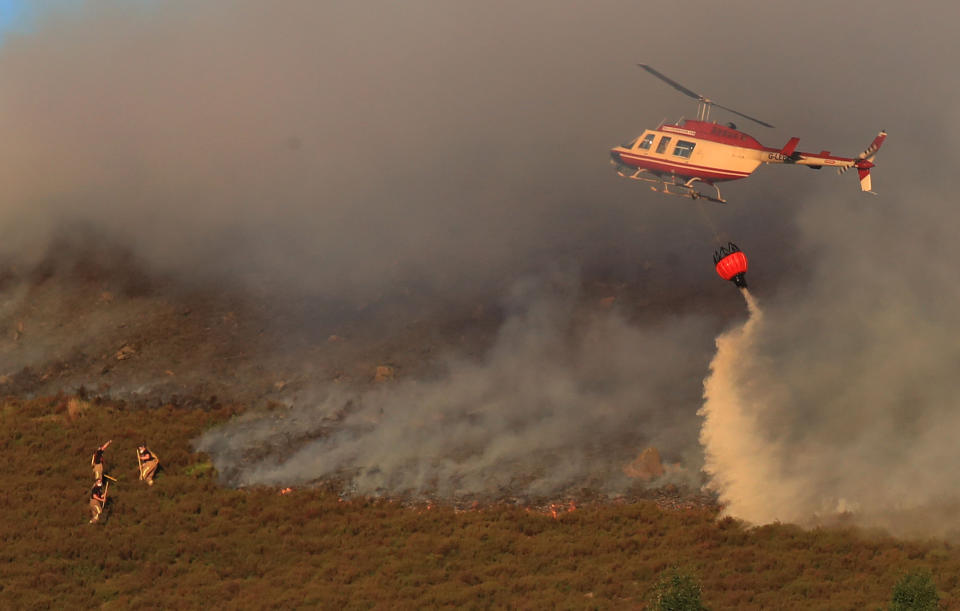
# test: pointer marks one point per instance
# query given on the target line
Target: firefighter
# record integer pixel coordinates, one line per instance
(148, 464)
(97, 461)
(98, 499)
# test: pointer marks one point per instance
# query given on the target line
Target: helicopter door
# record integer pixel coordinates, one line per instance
(684, 149)
(662, 146)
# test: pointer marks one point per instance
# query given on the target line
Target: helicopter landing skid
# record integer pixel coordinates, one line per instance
(671, 187)
(692, 192)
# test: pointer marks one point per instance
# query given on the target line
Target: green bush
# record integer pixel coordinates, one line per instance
(677, 591)
(915, 592)
(200, 469)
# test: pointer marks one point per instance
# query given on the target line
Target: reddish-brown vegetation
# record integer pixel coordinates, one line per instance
(189, 543)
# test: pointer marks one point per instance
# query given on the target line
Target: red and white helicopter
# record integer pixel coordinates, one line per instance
(675, 157)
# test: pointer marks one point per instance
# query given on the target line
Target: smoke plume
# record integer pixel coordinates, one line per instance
(558, 403)
(269, 148)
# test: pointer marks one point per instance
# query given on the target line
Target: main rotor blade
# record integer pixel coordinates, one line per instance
(697, 96)
(672, 83)
(736, 112)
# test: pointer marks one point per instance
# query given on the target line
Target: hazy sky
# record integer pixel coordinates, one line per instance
(11, 13)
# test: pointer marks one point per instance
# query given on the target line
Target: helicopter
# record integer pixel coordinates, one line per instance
(677, 157)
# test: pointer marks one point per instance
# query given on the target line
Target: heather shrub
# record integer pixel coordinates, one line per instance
(915, 592)
(677, 591)
(187, 542)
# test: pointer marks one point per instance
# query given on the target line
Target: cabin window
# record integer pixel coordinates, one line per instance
(684, 149)
(647, 142)
(662, 147)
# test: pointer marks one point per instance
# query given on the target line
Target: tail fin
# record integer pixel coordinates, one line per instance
(864, 179)
(865, 161)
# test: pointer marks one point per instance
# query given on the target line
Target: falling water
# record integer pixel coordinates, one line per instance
(742, 465)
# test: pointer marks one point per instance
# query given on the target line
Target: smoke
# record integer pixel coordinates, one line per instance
(273, 149)
(561, 402)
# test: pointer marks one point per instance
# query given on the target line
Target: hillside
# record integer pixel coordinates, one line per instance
(188, 542)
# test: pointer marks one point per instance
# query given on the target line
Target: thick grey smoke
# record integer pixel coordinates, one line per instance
(557, 404)
(341, 149)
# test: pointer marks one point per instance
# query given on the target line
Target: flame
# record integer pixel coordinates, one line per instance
(555, 509)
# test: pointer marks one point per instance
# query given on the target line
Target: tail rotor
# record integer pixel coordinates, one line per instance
(864, 162)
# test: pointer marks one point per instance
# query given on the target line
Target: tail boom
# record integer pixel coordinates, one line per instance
(862, 162)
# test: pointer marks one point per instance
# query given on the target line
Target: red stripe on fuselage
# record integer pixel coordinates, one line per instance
(680, 169)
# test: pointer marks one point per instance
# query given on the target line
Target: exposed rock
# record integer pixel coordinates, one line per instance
(384, 373)
(126, 351)
(645, 467)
